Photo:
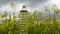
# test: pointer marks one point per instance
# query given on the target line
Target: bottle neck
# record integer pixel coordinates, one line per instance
(23, 8)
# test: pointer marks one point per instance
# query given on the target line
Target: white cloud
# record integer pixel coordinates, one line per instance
(18, 7)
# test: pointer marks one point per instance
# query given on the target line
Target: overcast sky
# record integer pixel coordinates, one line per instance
(31, 4)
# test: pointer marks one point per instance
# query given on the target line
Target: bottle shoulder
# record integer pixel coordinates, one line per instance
(23, 11)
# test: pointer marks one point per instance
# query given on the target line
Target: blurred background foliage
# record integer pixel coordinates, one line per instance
(38, 22)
